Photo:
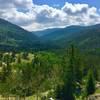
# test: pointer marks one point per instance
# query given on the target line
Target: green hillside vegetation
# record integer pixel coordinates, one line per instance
(63, 64)
(43, 75)
(13, 37)
(85, 37)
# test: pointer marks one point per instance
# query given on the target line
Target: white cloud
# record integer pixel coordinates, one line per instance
(33, 17)
(75, 8)
(9, 10)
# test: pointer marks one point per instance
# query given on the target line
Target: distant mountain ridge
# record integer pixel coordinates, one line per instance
(83, 36)
(46, 31)
(13, 37)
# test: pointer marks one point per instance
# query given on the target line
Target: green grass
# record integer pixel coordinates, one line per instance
(32, 98)
(97, 91)
(27, 98)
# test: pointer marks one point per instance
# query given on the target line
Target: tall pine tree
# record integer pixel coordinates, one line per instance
(90, 85)
(66, 92)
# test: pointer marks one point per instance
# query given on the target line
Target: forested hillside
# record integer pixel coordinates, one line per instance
(83, 36)
(44, 75)
(13, 37)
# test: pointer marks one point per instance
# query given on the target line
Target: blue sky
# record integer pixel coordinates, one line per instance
(95, 3)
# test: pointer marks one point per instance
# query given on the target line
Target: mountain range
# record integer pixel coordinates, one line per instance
(83, 36)
(14, 37)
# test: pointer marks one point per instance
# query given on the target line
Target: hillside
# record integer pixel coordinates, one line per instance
(45, 32)
(62, 33)
(13, 37)
(84, 37)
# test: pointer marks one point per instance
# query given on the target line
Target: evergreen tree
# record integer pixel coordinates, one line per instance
(25, 55)
(67, 90)
(90, 85)
(6, 72)
(1, 56)
(18, 58)
(7, 58)
(13, 55)
(26, 79)
(77, 70)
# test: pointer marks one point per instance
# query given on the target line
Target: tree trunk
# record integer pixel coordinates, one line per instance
(25, 96)
(37, 96)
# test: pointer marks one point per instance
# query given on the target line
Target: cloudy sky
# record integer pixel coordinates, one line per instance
(41, 14)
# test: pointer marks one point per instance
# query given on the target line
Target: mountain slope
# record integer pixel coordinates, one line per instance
(82, 36)
(46, 31)
(62, 33)
(14, 37)
(89, 38)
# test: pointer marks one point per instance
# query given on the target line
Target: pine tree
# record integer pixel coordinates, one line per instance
(77, 71)
(67, 90)
(6, 72)
(19, 59)
(90, 85)
(7, 58)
